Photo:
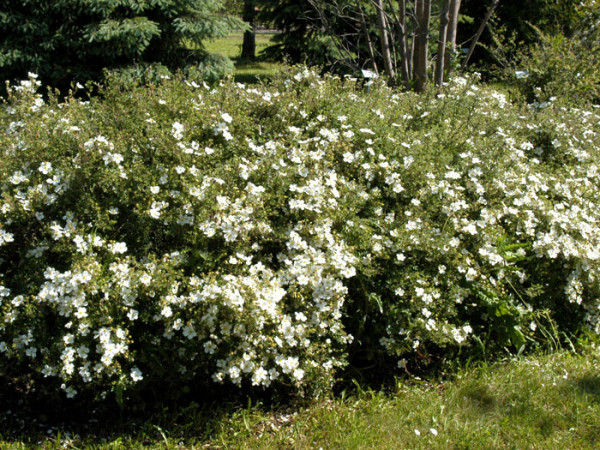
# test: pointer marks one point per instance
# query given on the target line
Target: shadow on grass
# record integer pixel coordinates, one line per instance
(253, 72)
(588, 385)
(480, 397)
(29, 419)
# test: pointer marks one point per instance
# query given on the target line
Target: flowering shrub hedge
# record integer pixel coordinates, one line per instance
(186, 234)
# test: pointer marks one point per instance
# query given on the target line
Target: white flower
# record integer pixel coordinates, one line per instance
(227, 135)
(167, 311)
(226, 117)
(209, 347)
(189, 331)
(145, 279)
(155, 189)
(45, 168)
(298, 374)
(18, 177)
(117, 247)
(154, 212)
(177, 131)
(136, 374)
(259, 376)
(5, 237)
(69, 390)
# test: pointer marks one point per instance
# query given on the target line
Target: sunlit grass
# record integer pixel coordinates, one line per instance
(547, 402)
(231, 46)
(246, 71)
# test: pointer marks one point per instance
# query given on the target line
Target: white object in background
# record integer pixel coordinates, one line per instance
(368, 74)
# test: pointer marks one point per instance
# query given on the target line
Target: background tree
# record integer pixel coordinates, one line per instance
(516, 21)
(421, 43)
(404, 31)
(64, 40)
(303, 35)
(249, 42)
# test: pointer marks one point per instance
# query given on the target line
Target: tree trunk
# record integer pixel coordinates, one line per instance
(385, 43)
(451, 34)
(249, 43)
(489, 13)
(405, 54)
(365, 30)
(400, 28)
(423, 13)
(441, 50)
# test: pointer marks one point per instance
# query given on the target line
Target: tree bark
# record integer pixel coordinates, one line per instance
(249, 42)
(384, 40)
(441, 51)
(406, 55)
(451, 34)
(401, 36)
(423, 13)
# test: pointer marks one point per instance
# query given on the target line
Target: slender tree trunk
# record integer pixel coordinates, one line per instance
(451, 34)
(416, 38)
(441, 50)
(400, 27)
(489, 13)
(365, 30)
(249, 43)
(383, 37)
(423, 10)
(406, 56)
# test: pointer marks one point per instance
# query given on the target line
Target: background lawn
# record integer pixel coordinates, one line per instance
(246, 71)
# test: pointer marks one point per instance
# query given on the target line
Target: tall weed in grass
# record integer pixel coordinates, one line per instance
(168, 238)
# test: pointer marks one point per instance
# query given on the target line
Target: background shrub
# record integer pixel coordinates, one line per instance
(560, 65)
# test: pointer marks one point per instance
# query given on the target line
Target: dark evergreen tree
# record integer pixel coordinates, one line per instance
(249, 43)
(74, 40)
(302, 36)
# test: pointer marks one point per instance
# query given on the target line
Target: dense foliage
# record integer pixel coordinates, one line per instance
(185, 235)
(559, 65)
(66, 41)
(521, 19)
(300, 38)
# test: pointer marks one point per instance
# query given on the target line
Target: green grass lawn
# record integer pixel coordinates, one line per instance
(245, 71)
(544, 402)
